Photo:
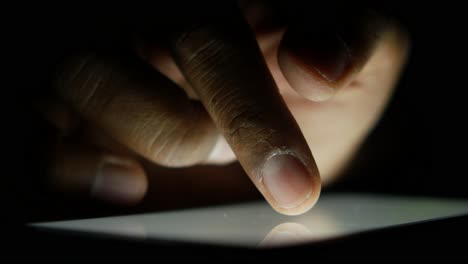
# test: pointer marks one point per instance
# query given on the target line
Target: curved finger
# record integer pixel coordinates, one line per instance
(86, 170)
(138, 107)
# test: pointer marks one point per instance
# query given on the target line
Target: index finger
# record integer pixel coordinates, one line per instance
(219, 56)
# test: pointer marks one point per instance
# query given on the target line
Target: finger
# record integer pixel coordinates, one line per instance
(86, 170)
(221, 60)
(322, 55)
(138, 107)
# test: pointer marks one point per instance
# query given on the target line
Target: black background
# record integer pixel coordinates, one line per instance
(417, 148)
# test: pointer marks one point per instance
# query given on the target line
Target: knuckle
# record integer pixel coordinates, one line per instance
(243, 123)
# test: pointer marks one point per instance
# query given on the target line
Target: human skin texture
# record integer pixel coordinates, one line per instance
(291, 103)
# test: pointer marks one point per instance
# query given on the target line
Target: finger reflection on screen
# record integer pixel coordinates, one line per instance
(320, 226)
(258, 225)
(286, 233)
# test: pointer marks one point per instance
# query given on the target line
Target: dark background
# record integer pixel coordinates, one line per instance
(417, 148)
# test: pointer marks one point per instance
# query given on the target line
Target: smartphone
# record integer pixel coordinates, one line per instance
(256, 224)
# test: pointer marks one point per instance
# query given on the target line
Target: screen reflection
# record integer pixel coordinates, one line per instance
(257, 225)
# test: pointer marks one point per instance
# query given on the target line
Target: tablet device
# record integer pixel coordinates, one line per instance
(256, 224)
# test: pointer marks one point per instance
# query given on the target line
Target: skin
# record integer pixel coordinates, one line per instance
(291, 111)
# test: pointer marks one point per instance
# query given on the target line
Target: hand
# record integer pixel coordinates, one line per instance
(214, 86)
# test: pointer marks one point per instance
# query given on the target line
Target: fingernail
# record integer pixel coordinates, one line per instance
(323, 53)
(119, 181)
(287, 180)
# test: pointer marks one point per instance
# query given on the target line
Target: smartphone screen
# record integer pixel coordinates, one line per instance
(255, 224)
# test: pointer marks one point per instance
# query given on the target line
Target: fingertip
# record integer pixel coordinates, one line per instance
(316, 64)
(306, 205)
(292, 187)
(309, 204)
(120, 181)
(305, 80)
(318, 57)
